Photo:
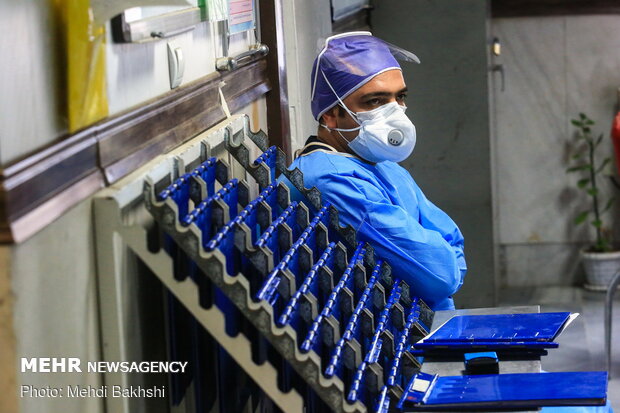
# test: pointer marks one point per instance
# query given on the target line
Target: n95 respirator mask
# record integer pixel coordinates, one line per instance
(385, 134)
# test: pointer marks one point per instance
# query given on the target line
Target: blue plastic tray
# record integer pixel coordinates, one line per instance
(529, 327)
(522, 390)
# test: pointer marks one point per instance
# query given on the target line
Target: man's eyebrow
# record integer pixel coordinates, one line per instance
(382, 94)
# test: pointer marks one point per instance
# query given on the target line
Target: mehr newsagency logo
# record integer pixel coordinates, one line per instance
(75, 365)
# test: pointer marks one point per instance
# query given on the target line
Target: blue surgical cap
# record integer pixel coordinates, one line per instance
(346, 63)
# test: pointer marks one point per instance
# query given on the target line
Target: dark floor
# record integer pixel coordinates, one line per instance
(582, 343)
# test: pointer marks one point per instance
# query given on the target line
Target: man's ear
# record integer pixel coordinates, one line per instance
(329, 117)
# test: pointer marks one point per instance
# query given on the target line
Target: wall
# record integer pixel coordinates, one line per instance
(30, 104)
(48, 300)
(555, 68)
(449, 104)
(8, 381)
(137, 72)
(305, 23)
(55, 307)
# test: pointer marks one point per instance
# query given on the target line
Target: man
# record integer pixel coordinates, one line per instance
(358, 98)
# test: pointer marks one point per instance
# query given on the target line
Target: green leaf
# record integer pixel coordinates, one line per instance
(589, 122)
(582, 116)
(578, 168)
(599, 139)
(577, 155)
(593, 191)
(575, 122)
(586, 129)
(583, 182)
(597, 223)
(603, 165)
(581, 217)
(608, 204)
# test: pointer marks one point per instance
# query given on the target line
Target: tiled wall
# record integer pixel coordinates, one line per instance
(555, 67)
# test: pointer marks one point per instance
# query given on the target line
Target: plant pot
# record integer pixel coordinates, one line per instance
(600, 268)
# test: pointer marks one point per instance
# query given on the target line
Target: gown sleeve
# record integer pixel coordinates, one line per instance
(426, 253)
(433, 218)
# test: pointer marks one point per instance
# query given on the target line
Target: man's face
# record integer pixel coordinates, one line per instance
(382, 89)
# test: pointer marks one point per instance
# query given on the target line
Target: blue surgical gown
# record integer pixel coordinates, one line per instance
(383, 203)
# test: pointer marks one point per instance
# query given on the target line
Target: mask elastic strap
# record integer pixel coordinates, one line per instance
(345, 108)
(340, 129)
(339, 132)
(316, 72)
(343, 138)
(340, 100)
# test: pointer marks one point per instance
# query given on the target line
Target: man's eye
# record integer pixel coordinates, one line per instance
(402, 97)
(373, 102)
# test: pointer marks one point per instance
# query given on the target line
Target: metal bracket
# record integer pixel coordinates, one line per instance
(255, 52)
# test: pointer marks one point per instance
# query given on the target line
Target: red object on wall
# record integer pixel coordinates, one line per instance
(615, 137)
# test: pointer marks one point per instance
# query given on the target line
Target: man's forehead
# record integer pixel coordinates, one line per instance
(391, 81)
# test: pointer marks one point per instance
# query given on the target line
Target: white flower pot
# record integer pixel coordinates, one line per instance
(600, 268)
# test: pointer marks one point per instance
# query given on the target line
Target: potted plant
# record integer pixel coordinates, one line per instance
(600, 260)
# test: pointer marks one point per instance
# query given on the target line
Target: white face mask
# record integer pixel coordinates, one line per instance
(385, 134)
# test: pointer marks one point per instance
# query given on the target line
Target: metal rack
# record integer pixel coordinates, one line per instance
(314, 320)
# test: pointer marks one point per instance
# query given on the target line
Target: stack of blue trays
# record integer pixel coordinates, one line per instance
(497, 332)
